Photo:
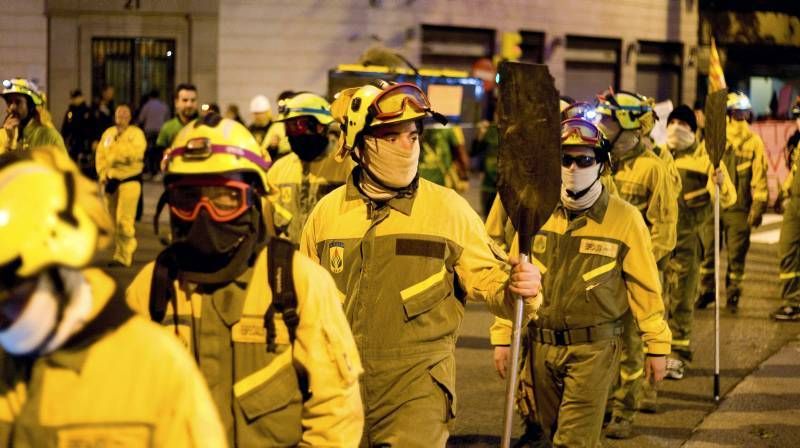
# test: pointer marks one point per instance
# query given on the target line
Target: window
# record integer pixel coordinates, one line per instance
(592, 65)
(532, 47)
(658, 71)
(134, 67)
(455, 47)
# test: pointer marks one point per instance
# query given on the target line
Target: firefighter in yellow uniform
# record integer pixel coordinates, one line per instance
(746, 162)
(119, 161)
(27, 123)
(78, 368)
(597, 265)
(405, 254)
(789, 244)
(695, 208)
(263, 322)
(310, 171)
(643, 181)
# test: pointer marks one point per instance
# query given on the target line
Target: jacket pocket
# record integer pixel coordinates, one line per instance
(273, 389)
(605, 291)
(423, 296)
(443, 374)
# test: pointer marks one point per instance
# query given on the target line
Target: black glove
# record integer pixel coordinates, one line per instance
(112, 185)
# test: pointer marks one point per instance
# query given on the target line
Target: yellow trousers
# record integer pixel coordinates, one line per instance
(122, 206)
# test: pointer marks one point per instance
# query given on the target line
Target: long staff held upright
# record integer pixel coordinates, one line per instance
(715, 145)
(529, 174)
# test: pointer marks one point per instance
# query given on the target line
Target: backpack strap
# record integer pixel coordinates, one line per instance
(162, 287)
(281, 282)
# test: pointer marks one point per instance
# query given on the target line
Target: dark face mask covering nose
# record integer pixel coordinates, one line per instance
(309, 147)
(206, 246)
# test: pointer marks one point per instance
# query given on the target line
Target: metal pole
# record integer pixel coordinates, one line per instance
(716, 293)
(511, 384)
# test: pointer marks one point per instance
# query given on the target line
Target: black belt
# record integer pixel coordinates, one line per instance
(575, 335)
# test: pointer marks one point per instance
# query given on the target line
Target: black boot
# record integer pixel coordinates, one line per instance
(705, 299)
(733, 304)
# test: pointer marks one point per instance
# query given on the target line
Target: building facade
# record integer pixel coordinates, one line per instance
(235, 49)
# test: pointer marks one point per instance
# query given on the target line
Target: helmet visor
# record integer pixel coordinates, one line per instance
(223, 199)
(393, 101)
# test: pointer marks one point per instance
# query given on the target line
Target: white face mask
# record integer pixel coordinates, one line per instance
(392, 163)
(577, 180)
(679, 137)
(38, 321)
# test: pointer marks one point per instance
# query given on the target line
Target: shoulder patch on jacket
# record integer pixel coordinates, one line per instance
(596, 247)
(421, 248)
(539, 244)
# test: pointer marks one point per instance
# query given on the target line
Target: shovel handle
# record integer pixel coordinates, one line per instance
(511, 384)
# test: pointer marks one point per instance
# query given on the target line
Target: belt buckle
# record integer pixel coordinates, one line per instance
(560, 337)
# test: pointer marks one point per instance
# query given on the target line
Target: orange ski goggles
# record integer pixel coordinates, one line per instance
(393, 101)
(223, 199)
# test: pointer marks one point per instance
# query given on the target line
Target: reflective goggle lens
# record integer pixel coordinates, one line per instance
(582, 161)
(392, 102)
(583, 130)
(224, 201)
(300, 126)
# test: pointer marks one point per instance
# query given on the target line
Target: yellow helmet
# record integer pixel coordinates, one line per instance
(582, 132)
(214, 145)
(738, 101)
(25, 87)
(50, 215)
(376, 104)
(630, 110)
(307, 105)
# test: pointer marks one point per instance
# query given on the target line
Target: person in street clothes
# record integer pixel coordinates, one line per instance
(642, 179)
(119, 162)
(77, 367)
(152, 116)
(746, 162)
(405, 253)
(263, 322)
(76, 128)
(185, 111)
(597, 265)
(27, 123)
(310, 172)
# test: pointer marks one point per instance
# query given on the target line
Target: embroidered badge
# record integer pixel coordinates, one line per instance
(336, 256)
(286, 195)
(595, 247)
(539, 244)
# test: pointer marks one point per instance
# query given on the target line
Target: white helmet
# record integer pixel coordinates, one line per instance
(260, 103)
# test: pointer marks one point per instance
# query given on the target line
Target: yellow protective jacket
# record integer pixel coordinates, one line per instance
(791, 186)
(747, 165)
(675, 181)
(643, 181)
(594, 268)
(403, 270)
(297, 186)
(697, 177)
(120, 155)
(259, 393)
(120, 381)
(34, 135)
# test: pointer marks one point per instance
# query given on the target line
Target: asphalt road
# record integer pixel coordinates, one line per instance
(748, 339)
